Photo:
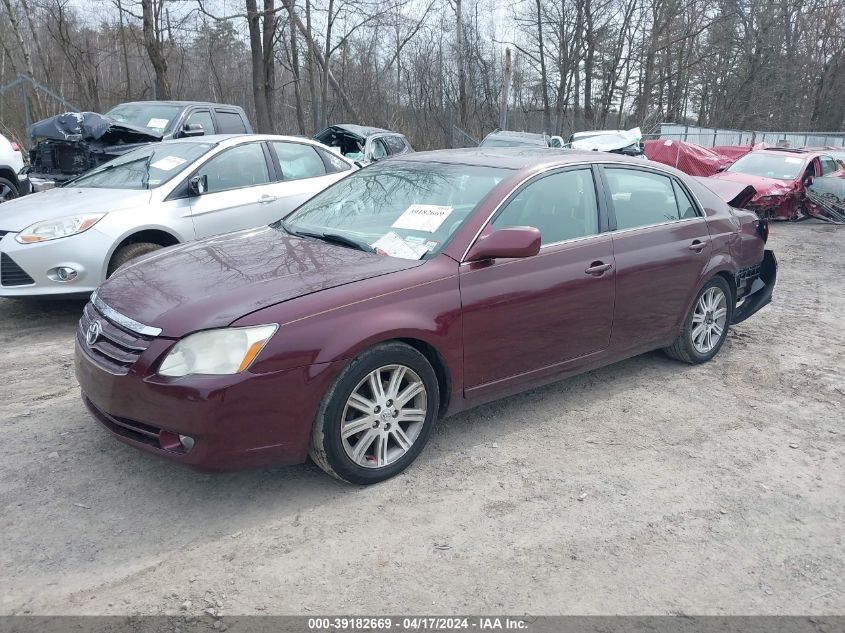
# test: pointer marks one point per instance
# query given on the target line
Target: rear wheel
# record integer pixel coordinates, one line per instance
(706, 324)
(129, 252)
(8, 190)
(377, 416)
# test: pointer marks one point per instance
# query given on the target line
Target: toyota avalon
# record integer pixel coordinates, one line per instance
(410, 290)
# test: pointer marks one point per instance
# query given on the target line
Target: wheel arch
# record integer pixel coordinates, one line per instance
(9, 174)
(155, 235)
(438, 363)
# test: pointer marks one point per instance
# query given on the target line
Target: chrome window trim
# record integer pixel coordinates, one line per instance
(649, 167)
(605, 234)
(122, 320)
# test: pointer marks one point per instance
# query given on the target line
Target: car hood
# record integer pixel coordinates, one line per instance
(762, 185)
(213, 282)
(20, 213)
(86, 126)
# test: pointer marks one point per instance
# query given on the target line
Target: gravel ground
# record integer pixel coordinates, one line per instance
(648, 487)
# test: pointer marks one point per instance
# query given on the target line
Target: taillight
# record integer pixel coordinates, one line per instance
(15, 147)
(763, 230)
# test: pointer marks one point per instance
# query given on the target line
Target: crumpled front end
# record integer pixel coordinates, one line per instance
(67, 145)
(779, 202)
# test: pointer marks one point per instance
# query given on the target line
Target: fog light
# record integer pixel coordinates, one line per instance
(66, 273)
(187, 442)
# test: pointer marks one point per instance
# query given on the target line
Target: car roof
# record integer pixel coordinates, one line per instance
(786, 150)
(179, 103)
(513, 134)
(223, 138)
(363, 130)
(519, 157)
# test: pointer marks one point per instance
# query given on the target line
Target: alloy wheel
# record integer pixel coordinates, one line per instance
(7, 193)
(383, 416)
(709, 320)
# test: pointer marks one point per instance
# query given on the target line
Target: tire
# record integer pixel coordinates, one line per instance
(8, 190)
(374, 426)
(129, 252)
(692, 345)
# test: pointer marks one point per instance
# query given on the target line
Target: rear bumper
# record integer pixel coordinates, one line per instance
(237, 422)
(760, 294)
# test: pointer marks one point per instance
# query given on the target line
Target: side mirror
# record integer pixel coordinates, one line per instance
(808, 181)
(518, 241)
(198, 184)
(192, 129)
(721, 168)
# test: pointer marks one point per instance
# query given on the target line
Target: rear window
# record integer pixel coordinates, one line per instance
(230, 122)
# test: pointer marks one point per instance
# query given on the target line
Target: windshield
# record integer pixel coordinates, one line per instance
(144, 168)
(401, 209)
(153, 116)
(769, 166)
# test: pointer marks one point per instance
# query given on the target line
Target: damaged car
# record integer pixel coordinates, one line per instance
(363, 144)
(826, 194)
(780, 177)
(411, 290)
(506, 138)
(68, 145)
(625, 142)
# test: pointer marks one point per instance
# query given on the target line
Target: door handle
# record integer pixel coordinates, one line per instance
(697, 246)
(265, 199)
(598, 268)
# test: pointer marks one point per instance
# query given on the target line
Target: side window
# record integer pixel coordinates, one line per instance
(828, 165)
(203, 117)
(686, 207)
(333, 162)
(379, 151)
(230, 122)
(641, 198)
(562, 206)
(297, 160)
(242, 166)
(395, 144)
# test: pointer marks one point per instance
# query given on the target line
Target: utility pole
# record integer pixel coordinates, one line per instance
(506, 86)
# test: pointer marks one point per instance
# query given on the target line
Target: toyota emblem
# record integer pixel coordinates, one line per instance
(93, 332)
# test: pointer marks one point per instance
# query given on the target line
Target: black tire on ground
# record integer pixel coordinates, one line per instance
(326, 448)
(130, 252)
(8, 190)
(683, 348)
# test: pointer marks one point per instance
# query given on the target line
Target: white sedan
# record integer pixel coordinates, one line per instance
(66, 241)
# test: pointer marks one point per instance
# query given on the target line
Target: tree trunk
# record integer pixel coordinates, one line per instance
(155, 49)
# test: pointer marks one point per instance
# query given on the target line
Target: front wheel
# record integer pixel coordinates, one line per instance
(377, 416)
(706, 324)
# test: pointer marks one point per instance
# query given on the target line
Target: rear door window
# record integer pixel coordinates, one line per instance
(333, 162)
(297, 160)
(642, 198)
(828, 165)
(230, 122)
(395, 144)
(379, 150)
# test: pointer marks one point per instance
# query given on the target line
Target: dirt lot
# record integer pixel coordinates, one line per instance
(646, 487)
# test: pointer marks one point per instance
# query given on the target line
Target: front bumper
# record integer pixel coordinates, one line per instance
(86, 253)
(760, 294)
(237, 422)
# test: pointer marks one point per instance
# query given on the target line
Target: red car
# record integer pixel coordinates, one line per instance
(413, 289)
(780, 177)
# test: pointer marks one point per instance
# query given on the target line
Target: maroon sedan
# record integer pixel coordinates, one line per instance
(411, 290)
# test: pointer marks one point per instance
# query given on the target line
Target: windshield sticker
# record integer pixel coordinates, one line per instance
(422, 217)
(393, 245)
(157, 124)
(168, 162)
(793, 161)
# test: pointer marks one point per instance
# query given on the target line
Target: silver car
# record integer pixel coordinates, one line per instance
(66, 241)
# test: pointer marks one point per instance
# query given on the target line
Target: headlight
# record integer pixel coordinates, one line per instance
(224, 351)
(60, 227)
